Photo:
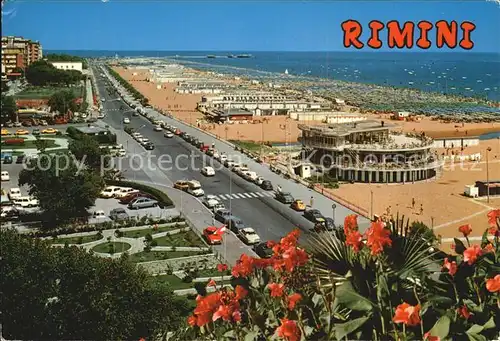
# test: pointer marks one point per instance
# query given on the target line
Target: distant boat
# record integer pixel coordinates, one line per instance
(479, 81)
(286, 71)
(431, 82)
(244, 56)
(411, 83)
(230, 56)
(486, 89)
(210, 56)
(464, 77)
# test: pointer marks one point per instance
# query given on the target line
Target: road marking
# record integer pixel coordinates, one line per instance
(253, 195)
(268, 194)
(247, 195)
(239, 195)
(260, 194)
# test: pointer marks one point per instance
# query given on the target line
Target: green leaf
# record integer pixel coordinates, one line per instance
(459, 246)
(441, 327)
(475, 337)
(347, 296)
(251, 335)
(308, 330)
(344, 329)
(230, 333)
(490, 324)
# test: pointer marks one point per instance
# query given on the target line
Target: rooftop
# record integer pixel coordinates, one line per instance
(92, 130)
(344, 129)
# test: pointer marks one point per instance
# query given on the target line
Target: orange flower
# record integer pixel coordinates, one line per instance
(192, 320)
(243, 267)
(270, 244)
(205, 308)
(471, 254)
(241, 292)
(378, 237)
(277, 290)
(211, 283)
(407, 314)
(350, 223)
(451, 266)
(288, 330)
(493, 284)
(489, 248)
(293, 300)
(292, 258)
(493, 216)
(354, 239)
(221, 267)
(226, 312)
(464, 312)
(494, 231)
(429, 337)
(465, 229)
(142, 339)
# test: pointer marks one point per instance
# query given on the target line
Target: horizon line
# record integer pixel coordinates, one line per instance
(298, 51)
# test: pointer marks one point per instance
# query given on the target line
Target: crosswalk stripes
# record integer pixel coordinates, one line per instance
(249, 195)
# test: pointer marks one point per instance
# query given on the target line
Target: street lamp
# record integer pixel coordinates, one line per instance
(333, 215)
(487, 175)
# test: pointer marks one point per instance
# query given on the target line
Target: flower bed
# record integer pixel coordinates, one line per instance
(377, 286)
(111, 247)
(188, 238)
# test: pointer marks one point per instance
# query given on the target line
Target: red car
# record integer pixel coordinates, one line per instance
(212, 236)
(127, 199)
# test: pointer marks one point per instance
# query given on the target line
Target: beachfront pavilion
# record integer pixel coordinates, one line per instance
(369, 151)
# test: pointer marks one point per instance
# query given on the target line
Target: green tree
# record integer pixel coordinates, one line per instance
(62, 101)
(64, 190)
(43, 73)
(51, 293)
(5, 87)
(53, 57)
(41, 144)
(86, 149)
(8, 108)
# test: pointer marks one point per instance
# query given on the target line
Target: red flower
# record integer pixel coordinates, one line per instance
(407, 314)
(292, 258)
(429, 337)
(493, 216)
(221, 267)
(493, 284)
(465, 229)
(464, 312)
(494, 231)
(291, 239)
(451, 266)
(142, 339)
(271, 243)
(354, 239)
(293, 300)
(378, 237)
(288, 330)
(262, 263)
(489, 248)
(224, 311)
(471, 254)
(205, 308)
(241, 292)
(350, 223)
(211, 283)
(452, 246)
(243, 267)
(276, 289)
(192, 320)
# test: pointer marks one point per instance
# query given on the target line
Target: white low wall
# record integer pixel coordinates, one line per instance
(455, 142)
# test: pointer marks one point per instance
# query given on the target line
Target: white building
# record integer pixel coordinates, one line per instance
(326, 116)
(67, 66)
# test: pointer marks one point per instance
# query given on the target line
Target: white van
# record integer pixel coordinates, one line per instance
(14, 193)
(5, 176)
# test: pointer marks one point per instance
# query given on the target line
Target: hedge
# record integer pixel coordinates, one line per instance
(164, 200)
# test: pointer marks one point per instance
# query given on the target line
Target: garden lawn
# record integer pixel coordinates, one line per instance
(76, 240)
(37, 92)
(188, 238)
(30, 144)
(160, 255)
(176, 283)
(117, 246)
(213, 273)
(251, 146)
(144, 232)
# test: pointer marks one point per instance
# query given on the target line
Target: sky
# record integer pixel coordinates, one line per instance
(204, 25)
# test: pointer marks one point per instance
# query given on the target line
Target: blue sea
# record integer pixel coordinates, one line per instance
(467, 74)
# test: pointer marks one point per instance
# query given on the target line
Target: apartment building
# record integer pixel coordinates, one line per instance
(18, 52)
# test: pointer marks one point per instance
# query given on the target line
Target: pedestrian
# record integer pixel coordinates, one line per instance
(311, 201)
(421, 209)
(278, 188)
(213, 145)
(412, 203)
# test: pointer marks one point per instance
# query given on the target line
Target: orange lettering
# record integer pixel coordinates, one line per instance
(374, 41)
(423, 42)
(446, 33)
(400, 37)
(352, 31)
(467, 27)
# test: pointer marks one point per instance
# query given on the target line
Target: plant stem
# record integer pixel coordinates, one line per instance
(404, 332)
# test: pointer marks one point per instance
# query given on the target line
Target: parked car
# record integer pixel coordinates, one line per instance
(5, 176)
(208, 171)
(118, 214)
(168, 134)
(266, 185)
(314, 215)
(7, 159)
(284, 197)
(14, 193)
(249, 176)
(182, 185)
(99, 214)
(229, 163)
(143, 141)
(149, 146)
(123, 192)
(126, 120)
(157, 128)
(218, 206)
(223, 216)
(128, 198)
(20, 159)
(142, 202)
(110, 191)
(26, 202)
(234, 224)
(49, 131)
(298, 205)
(327, 225)
(194, 188)
(262, 250)
(35, 132)
(248, 235)
(211, 236)
(210, 201)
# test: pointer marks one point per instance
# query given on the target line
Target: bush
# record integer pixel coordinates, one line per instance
(163, 199)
